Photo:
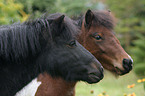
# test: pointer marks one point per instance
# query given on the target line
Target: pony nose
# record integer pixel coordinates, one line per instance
(98, 65)
(127, 64)
(99, 68)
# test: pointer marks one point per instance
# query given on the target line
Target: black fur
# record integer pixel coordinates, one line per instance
(43, 45)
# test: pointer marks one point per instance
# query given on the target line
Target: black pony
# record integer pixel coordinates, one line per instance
(44, 45)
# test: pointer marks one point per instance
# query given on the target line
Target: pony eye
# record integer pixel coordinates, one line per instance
(72, 43)
(98, 37)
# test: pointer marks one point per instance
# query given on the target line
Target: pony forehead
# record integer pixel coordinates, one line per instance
(103, 18)
(68, 23)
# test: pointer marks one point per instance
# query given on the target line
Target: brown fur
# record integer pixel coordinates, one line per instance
(54, 86)
(102, 50)
(108, 50)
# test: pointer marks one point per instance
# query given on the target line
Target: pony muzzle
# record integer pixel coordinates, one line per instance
(96, 73)
(125, 67)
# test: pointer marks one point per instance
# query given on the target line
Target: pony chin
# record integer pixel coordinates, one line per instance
(115, 75)
(30, 89)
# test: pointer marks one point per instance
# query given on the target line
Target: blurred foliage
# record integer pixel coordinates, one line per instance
(36, 7)
(69, 7)
(139, 55)
(11, 12)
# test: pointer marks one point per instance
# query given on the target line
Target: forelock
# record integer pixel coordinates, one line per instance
(104, 18)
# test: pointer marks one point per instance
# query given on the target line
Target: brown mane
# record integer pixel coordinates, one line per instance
(104, 18)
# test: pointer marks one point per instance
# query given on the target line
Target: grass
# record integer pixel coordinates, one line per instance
(112, 86)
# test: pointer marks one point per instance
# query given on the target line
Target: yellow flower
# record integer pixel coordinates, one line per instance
(131, 86)
(100, 95)
(133, 94)
(141, 80)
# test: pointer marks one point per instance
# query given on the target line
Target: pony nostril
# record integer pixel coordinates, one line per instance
(127, 63)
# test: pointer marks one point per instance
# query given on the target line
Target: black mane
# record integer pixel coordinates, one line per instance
(22, 39)
(18, 40)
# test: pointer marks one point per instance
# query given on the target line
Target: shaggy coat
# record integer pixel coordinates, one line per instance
(44, 45)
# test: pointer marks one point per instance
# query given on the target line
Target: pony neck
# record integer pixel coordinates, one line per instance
(54, 86)
(82, 36)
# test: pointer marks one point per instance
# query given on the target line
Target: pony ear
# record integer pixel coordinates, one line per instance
(89, 17)
(60, 19)
(58, 25)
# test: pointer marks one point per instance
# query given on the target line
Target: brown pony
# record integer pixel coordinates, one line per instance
(98, 37)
